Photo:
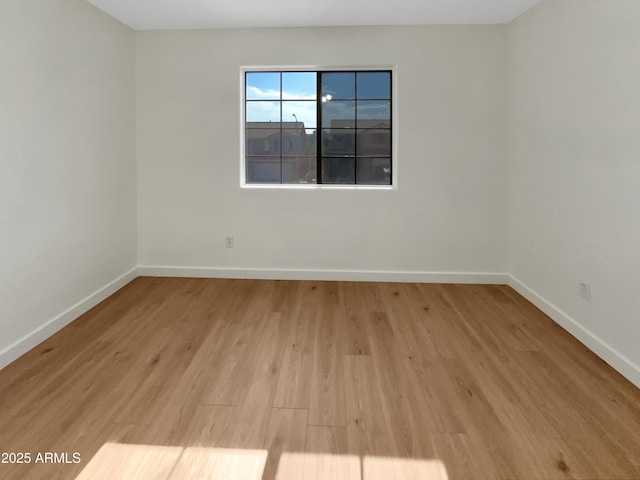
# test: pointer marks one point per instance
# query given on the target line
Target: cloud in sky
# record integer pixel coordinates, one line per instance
(303, 106)
(255, 93)
(266, 108)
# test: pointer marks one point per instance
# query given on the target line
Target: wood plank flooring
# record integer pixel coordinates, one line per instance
(204, 378)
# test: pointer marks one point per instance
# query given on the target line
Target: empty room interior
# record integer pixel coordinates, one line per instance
(306, 239)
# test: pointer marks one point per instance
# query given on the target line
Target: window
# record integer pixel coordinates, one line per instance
(318, 127)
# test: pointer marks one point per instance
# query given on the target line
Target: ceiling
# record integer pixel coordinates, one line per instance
(185, 14)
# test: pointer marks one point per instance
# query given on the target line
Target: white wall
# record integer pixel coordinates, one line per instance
(448, 213)
(574, 183)
(67, 162)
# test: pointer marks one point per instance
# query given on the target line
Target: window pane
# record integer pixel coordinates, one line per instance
(338, 85)
(374, 171)
(299, 170)
(262, 112)
(262, 142)
(374, 142)
(338, 170)
(296, 113)
(374, 113)
(338, 142)
(262, 86)
(263, 169)
(299, 85)
(298, 142)
(373, 84)
(337, 114)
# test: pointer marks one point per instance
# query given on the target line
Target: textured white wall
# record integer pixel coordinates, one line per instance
(67, 158)
(574, 149)
(448, 213)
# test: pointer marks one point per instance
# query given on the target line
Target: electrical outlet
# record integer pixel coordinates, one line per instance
(228, 241)
(584, 290)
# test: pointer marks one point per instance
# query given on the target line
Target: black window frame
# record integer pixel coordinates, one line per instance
(319, 128)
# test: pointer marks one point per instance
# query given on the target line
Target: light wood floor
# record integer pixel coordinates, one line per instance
(316, 380)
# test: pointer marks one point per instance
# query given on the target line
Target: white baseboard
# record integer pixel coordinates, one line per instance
(40, 334)
(607, 353)
(338, 275)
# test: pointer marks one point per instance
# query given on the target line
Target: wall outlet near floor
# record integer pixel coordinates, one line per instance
(228, 241)
(584, 290)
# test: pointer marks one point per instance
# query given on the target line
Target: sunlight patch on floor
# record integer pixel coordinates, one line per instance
(117, 461)
(148, 462)
(321, 466)
(219, 463)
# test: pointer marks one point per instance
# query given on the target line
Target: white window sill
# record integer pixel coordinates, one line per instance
(255, 186)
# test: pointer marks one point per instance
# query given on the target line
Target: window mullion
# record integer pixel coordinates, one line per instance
(281, 135)
(318, 127)
(355, 125)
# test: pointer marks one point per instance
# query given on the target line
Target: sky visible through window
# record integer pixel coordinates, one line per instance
(299, 96)
(300, 86)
